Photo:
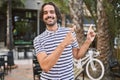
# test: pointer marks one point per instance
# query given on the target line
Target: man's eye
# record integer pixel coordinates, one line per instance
(45, 12)
(52, 11)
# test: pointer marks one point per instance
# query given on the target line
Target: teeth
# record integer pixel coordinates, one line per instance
(50, 19)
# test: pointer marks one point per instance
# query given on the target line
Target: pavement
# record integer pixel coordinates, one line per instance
(24, 71)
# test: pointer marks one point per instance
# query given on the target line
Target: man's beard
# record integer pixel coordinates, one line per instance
(50, 24)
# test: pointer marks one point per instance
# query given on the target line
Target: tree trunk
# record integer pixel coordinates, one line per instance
(7, 34)
(103, 37)
(77, 17)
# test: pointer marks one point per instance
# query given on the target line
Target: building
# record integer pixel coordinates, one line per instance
(24, 23)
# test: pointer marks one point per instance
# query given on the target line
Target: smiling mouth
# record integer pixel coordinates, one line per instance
(49, 17)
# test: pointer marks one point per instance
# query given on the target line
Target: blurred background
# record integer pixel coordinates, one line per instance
(20, 24)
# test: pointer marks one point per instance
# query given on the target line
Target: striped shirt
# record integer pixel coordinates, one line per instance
(47, 42)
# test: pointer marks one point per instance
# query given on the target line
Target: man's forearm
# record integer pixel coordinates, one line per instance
(49, 61)
(83, 49)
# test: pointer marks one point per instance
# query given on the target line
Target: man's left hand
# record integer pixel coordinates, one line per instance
(91, 34)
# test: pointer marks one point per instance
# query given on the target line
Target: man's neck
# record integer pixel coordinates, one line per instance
(52, 28)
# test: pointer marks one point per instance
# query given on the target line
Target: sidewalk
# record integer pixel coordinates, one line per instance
(23, 72)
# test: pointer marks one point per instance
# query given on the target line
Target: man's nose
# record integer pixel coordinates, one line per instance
(49, 14)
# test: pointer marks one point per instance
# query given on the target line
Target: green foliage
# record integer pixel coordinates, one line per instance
(15, 4)
(18, 3)
(92, 7)
(112, 9)
(22, 27)
(3, 6)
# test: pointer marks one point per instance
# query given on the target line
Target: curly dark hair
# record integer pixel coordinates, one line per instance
(58, 14)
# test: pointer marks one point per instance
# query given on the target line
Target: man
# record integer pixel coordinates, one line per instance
(57, 46)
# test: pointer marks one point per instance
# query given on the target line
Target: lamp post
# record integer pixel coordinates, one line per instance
(38, 17)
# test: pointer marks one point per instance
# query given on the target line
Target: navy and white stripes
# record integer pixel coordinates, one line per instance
(47, 42)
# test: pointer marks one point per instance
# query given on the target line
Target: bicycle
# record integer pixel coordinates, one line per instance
(94, 67)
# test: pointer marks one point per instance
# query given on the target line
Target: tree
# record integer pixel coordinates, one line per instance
(7, 6)
(76, 11)
(103, 37)
(114, 19)
(104, 14)
(15, 4)
(107, 29)
(4, 9)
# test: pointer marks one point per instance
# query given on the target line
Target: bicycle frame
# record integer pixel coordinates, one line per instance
(90, 61)
(88, 57)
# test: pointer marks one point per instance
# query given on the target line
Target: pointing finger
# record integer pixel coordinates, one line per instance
(73, 28)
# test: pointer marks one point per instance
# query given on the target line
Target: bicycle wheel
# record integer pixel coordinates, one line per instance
(95, 69)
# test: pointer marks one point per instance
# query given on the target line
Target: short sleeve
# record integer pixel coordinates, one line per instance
(38, 46)
(75, 43)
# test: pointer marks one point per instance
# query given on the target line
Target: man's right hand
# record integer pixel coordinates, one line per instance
(68, 39)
